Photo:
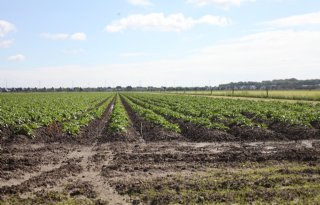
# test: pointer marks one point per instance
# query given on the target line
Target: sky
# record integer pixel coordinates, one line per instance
(55, 43)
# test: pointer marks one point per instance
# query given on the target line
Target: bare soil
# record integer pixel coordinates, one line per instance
(112, 173)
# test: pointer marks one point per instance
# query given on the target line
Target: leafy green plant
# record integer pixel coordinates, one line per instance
(221, 114)
(24, 113)
(119, 120)
(151, 116)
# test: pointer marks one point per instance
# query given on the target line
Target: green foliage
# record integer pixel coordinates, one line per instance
(23, 129)
(187, 114)
(24, 113)
(151, 116)
(119, 120)
(221, 114)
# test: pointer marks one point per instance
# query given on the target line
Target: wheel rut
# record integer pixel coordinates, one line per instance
(91, 174)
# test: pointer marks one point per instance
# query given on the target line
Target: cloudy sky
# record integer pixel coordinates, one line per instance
(157, 42)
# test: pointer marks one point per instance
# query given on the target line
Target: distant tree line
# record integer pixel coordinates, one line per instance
(285, 84)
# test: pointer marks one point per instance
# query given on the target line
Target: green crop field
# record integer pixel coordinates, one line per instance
(23, 113)
(157, 148)
(224, 113)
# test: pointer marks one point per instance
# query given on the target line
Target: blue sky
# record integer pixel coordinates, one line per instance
(160, 43)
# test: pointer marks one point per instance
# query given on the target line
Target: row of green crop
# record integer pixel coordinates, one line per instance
(23, 113)
(74, 126)
(229, 111)
(189, 113)
(119, 120)
(151, 116)
(168, 113)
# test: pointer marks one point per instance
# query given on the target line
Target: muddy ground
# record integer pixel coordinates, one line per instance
(120, 173)
(149, 165)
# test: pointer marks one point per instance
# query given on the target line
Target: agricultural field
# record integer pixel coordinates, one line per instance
(147, 148)
(308, 95)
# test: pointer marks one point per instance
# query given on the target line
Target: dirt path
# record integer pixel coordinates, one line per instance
(91, 174)
(77, 172)
(107, 172)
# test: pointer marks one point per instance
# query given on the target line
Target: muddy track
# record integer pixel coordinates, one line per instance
(154, 158)
(100, 171)
(89, 182)
(76, 166)
(108, 172)
(136, 166)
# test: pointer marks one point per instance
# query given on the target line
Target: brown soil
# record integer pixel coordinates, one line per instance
(133, 165)
(295, 132)
(316, 124)
(130, 135)
(283, 131)
(107, 172)
(27, 169)
(152, 158)
(255, 134)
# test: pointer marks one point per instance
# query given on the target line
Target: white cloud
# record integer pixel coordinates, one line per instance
(219, 3)
(78, 37)
(260, 56)
(140, 2)
(298, 20)
(64, 36)
(158, 21)
(213, 20)
(6, 27)
(6, 43)
(18, 57)
(132, 54)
